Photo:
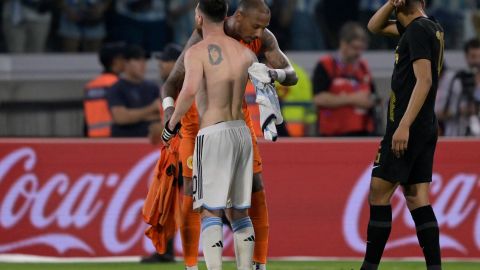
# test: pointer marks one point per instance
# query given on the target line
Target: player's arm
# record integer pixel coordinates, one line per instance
(421, 55)
(423, 74)
(193, 79)
(380, 22)
(174, 82)
(283, 70)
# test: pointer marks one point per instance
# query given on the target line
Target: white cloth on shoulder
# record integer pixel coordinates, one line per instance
(267, 100)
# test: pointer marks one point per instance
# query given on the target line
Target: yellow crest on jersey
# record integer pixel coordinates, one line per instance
(397, 56)
(190, 162)
(393, 101)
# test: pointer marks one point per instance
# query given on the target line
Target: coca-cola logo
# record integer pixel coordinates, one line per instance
(454, 204)
(78, 207)
(103, 204)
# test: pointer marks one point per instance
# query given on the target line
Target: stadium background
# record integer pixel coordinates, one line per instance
(63, 198)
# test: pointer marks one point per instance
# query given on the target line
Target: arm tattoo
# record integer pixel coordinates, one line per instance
(214, 54)
(275, 56)
(174, 83)
(277, 59)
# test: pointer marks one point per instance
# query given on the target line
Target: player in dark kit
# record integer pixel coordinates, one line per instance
(406, 152)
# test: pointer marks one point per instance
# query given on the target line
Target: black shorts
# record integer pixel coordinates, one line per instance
(414, 167)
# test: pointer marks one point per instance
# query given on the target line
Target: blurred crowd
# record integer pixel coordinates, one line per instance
(83, 25)
(338, 100)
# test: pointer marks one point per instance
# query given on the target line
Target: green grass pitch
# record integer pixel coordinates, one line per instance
(275, 265)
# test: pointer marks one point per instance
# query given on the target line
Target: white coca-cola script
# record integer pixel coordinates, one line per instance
(79, 205)
(454, 203)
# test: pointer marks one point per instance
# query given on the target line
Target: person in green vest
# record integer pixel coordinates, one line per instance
(297, 107)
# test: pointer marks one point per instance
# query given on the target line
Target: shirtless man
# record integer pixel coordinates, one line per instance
(248, 26)
(216, 74)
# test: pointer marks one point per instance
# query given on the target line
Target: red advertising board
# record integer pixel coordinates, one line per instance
(80, 198)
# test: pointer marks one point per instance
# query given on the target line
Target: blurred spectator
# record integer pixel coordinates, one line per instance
(142, 22)
(343, 87)
(446, 84)
(281, 17)
(181, 17)
(306, 35)
(459, 107)
(297, 107)
(133, 101)
(451, 15)
(367, 10)
(166, 62)
(98, 119)
(332, 14)
(26, 24)
(294, 22)
(167, 58)
(82, 24)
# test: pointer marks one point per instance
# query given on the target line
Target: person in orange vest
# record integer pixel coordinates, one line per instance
(98, 120)
(343, 87)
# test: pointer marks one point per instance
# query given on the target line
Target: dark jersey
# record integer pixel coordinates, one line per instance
(422, 39)
(132, 96)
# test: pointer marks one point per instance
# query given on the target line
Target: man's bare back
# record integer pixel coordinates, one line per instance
(225, 63)
(216, 76)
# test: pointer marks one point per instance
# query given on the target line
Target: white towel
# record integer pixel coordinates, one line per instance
(267, 100)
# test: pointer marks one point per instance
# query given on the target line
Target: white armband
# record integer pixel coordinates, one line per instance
(168, 102)
(281, 74)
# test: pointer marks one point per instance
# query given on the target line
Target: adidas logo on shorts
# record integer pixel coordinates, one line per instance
(218, 244)
(250, 238)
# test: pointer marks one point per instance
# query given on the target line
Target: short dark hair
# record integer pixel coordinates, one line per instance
(471, 44)
(259, 5)
(134, 52)
(108, 52)
(215, 10)
(408, 3)
(351, 31)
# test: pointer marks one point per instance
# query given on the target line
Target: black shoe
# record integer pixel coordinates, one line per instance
(158, 258)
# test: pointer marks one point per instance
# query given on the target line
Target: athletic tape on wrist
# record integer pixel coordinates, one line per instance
(168, 102)
(281, 74)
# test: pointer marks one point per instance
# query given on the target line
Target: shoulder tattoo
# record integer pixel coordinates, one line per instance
(215, 54)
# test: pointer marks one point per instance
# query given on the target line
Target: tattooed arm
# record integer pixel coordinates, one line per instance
(174, 82)
(193, 78)
(277, 59)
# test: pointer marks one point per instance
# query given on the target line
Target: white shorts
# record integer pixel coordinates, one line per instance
(223, 167)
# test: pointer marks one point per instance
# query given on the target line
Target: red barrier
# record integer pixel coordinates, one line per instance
(84, 198)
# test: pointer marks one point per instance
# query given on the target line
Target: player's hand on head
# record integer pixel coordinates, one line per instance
(400, 140)
(169, 132)
(398, 3)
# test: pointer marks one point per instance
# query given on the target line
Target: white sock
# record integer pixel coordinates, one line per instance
(259, 266)
(244, 238)
(191, 267)
(212, 242)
